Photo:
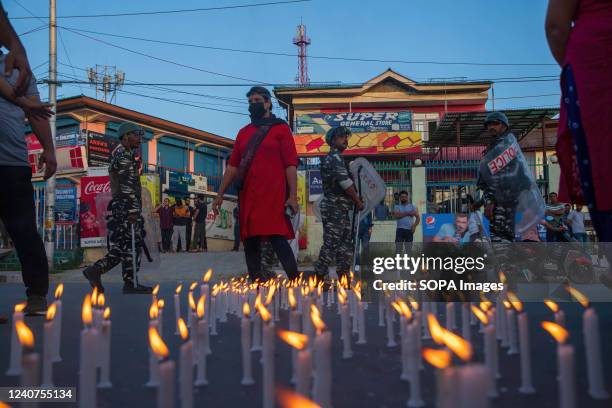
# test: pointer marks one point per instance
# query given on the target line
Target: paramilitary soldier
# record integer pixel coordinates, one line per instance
(339, 199)
(126, 208)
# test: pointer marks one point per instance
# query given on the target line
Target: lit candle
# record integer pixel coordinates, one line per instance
(105, 351)
(418, 319)
(361, 317)
(345, 322)
(381, 311)
(413, 352)
(405, 313)
(190, 312)
(490, 348)
(565, 361)
(48, 346)
(30, 359)
(390, 330)
(186, 367)
(193, 326)
(165, 391)
(525, 351)
(160, 307)
(294, 325)
(16, 347)
(177, 307)
(267, 357)
(153, 360)
(473, 384)
(592, 345)
(57, 326)
(323, 367)
(204, 288)
(446, 376)
(511, 329)
(465, 321)
(559, 314)
(245, 339)
(202, 343)
(450, 316)
(256, 346)
(213, 311)
(87, 361)
(303, 365)
(426, 311)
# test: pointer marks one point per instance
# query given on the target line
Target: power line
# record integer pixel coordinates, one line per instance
(149, 13)
(326, 57)
(42, 27)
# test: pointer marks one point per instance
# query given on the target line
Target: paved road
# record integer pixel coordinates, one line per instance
(370, 379)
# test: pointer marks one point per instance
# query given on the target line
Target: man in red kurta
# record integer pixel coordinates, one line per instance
(263, 165)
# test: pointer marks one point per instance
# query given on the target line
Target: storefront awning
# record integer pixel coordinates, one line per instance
(466, 128)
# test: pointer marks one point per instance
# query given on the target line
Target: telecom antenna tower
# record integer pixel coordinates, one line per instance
(302, 42)
(106, 80)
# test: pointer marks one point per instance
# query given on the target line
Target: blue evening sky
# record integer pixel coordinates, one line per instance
(442, 30)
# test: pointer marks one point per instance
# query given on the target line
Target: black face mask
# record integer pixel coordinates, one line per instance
(257, 110)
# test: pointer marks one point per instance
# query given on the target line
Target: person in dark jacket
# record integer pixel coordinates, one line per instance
(165, 224)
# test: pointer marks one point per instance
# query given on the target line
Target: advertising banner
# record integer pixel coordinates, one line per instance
(362, 143)
(150, 182)
(358, 122)
(454, 228)
(70, 156)
(184, 183)
(221, 227)
(99, 149)
(65, 205)
(93, 227)
(315, 185)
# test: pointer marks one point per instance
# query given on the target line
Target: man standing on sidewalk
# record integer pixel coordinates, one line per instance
(16, 192)
(199, 218)
(407, 216)
(126, 208)
(166, 224)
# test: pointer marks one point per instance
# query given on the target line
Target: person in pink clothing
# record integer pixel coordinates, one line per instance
(579, 34)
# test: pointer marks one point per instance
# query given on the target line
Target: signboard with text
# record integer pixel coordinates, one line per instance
(99, 149)
(93, 225)
(358, 122)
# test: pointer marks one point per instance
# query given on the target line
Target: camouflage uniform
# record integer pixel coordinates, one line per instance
(336, 210)
(126, 191)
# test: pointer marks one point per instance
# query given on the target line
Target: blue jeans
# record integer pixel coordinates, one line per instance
(580, 236)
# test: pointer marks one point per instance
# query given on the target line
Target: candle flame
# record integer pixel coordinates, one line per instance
(342, 298)
(161, 303)
(101, 300)
(193, 286)
(414, 304)
(558, 332)
(357, 294)
(312, 283)
(192, 304)
(201, 308)
(153, 311)
(435, 329)
(320, 289)
(183, 329)
(397, 307)
(3, 405)
(25, 335)
(19, 307)
(482, 316)
(507, 304)
(457, 344)
(344, 281)
(502, 277)
(305, 291)
(106, 315)
(406, 312)
(264, 313)
(178, 289)
(216, 290)
(94, 296)
(59, 291)
(579, 296)
(246, 310)
(292, 301)
(86, 310)
(51, 312)
(485, 305)
(294, 339)
(316, 320)
(207, 276)
(257, 300)
(552, 305)
(358, 286)
(157, 344)
(290, 399)
(156, 290)
(515, 301)
(437, 358)
(270, 294)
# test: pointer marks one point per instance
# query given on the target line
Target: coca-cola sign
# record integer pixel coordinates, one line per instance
(96, 188)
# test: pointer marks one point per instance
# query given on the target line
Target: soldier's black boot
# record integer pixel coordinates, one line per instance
(36, 306)
(129, 288)
(93, 274)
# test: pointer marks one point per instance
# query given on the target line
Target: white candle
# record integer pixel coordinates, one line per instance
(590, 329)
(560, 318)
(526, 381)
(48, 347)
(361, 318)
(346, 334)
(154, 374)
(294, 325)
(447, 391)
(15, 367)
(213, 315)
(165, 392)
(474, 383)
(304, 372)
(413, 352)
(30, 373)
(450, 316)
(567, 379)
(201, 377)
(512, 335)
(390, 332)
(245, 339)
(256, 333)
(268, 364)
(57, 332)
(322, 355)
(105, 352)
(87, 369)
(177, 311)
(465, 321)
(381, 311)
(186, 371)
(405, 372)
(490, 345)
(426, 311)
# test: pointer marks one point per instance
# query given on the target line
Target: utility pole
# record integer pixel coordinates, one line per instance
(49, 235)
